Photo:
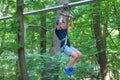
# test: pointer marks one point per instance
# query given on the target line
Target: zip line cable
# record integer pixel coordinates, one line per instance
(59, 7)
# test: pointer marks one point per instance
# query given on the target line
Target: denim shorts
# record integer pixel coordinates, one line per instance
(68, 49)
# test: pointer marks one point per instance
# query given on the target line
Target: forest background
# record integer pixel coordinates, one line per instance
(36, 55)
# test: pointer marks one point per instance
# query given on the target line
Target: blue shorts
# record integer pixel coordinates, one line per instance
(68, 49)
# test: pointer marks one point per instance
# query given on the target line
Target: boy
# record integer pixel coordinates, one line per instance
(61, 31)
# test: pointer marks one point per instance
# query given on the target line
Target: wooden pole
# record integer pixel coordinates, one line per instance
(23, 75)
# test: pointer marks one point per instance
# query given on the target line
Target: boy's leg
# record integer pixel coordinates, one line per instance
(78, 52)
(80, 55)
(73, 60)
(71, 51)
(68, 70)
(75, 56)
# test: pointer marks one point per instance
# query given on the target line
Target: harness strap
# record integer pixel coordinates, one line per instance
(65, 39)
(63, 48)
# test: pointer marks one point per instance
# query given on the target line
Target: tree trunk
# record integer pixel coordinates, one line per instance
(43, 34)
(55, 47)
(20, 39)
(100, 42)
(43, 45)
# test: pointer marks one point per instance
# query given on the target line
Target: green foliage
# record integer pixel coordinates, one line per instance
(82, 37)
(39, 63)
(8, 68)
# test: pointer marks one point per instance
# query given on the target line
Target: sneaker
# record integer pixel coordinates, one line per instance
(71, 70)
(67, 72)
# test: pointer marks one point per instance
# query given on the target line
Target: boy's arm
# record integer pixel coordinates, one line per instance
(71, 23)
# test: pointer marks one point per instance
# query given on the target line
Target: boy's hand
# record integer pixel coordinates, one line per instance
(61, 25)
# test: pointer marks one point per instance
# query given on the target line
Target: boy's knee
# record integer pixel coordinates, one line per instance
(80, 54)
(74, 55)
